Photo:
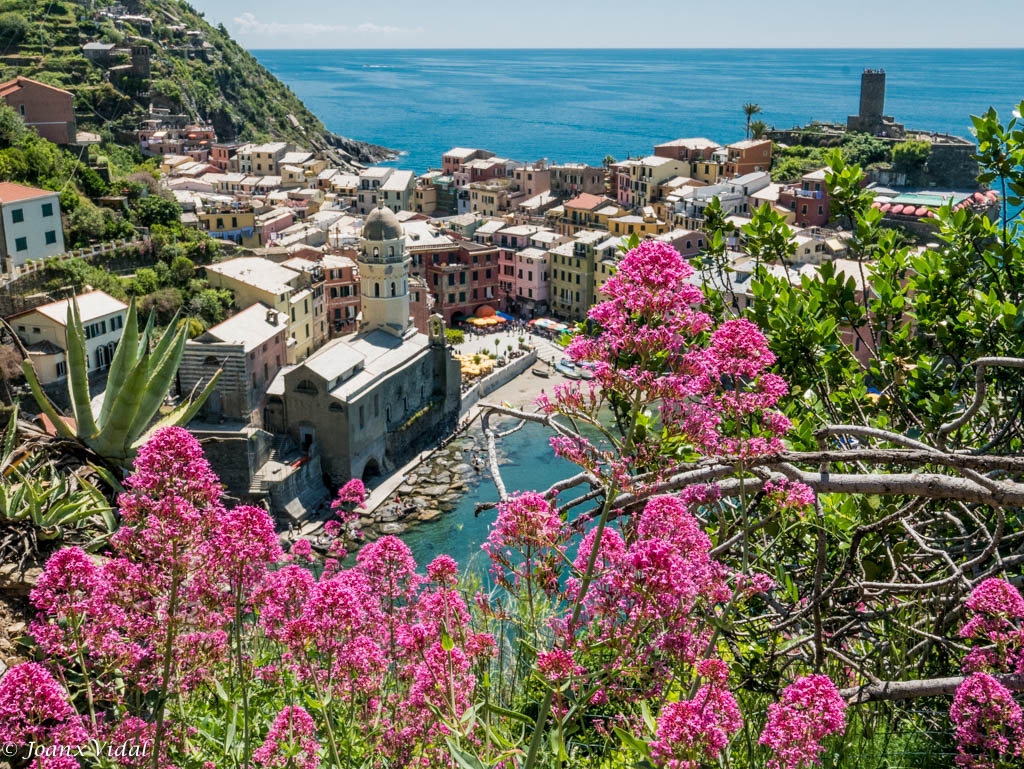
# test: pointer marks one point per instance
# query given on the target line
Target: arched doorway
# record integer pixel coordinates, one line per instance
(371, 470)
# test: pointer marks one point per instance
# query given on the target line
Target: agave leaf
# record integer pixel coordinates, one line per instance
(145, 336)
(164, 366)
(183, 412)
(44, 401)
(78, 373)
(112, 442)
(10, 435)
(125, 357)
(168, 338)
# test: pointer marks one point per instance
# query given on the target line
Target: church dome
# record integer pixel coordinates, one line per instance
(382, 224)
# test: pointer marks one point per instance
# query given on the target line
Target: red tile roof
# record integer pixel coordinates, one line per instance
(20, 82)
(11, 192)
(585, 201)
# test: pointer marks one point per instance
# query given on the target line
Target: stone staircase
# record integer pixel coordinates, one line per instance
(260, 483)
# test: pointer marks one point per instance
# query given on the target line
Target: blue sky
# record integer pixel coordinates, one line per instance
(620, 23)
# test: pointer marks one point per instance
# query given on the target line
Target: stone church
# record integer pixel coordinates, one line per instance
(367, 403)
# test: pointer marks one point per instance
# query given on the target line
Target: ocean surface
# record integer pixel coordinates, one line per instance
(581, 105)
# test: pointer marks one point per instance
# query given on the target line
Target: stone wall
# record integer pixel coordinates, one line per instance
(236, 456)
(500, 377)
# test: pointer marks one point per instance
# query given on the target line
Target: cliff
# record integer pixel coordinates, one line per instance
(159, 53)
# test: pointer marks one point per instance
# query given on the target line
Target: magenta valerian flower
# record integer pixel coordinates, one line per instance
(694, 732)
(64, 596)
(557, 665)
(291, 742)
(989, 723)
(34, 708)
(811, 708)
(998, 610)
(789, 495)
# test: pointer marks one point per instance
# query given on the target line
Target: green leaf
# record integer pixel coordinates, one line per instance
(44, 401)
(78, 373)
(634, 743)
(462, 758)
(125, 358)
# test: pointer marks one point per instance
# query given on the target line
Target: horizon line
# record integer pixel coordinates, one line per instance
(649, 48)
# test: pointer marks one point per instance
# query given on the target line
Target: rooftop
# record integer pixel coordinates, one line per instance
(586, 201)
(398, 181)
(698, 143)
(95, 304)
(12, 193)
(257, 272)
(250, 328)
(459, 152)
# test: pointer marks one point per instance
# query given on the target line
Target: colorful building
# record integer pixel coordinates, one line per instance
(47, 110)
(43, 331)
(30, 226)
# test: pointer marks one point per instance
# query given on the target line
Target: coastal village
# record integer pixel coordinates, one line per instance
(337, 360)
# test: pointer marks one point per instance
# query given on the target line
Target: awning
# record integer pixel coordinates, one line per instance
(485, 311)
(505, 315)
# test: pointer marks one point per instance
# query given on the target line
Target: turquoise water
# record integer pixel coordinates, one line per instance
(530, 466)
(581, 105)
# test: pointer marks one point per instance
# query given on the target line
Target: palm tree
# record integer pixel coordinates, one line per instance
(758, 129)
(750, 109)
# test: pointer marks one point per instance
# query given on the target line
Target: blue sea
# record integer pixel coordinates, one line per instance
(581, 105)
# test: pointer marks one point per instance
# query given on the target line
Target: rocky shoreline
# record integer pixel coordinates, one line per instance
(432, 489)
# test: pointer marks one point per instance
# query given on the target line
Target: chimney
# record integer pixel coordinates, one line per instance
(272, 317)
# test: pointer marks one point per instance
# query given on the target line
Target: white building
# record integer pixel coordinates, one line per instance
(44, 332)
(30, 225)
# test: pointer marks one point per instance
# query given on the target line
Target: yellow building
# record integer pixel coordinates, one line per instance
(254, 279)
(238, 226)
(572, 268)
(645, 225)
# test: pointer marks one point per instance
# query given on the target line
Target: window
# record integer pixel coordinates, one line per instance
(376, 404)
(21, 329)
(306, 387)
(62, 368)
(17, 215)
(307, 331)
(362, 418)
(35, 330)
(21, 244)
(47, 209)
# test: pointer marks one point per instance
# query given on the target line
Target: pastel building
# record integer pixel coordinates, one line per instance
(43, 331)
(808, 199)
(531, 284)
(30, 226)
(254, 280)
(251, 347)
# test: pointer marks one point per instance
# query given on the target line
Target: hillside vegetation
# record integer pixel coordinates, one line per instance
(195, 69)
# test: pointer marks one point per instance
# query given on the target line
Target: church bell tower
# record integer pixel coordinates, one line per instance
(384, 274)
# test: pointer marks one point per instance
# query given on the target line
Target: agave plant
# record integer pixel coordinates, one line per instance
(137, 383)
(42, 501)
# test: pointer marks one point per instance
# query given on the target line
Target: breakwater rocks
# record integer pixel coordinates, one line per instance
(431, 489)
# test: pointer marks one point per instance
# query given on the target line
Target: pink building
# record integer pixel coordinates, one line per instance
(341, 288)
(808, 200)
(251, 347)
(531, 282)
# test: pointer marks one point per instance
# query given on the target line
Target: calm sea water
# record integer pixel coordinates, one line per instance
(581, 105)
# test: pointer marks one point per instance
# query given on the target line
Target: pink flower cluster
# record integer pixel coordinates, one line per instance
(998, 620)
(989, 724)
(34, 708)
(527, 541)
(377, 641)
(789, 495)
(811, 709)
(291, 742)
(692, 733)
